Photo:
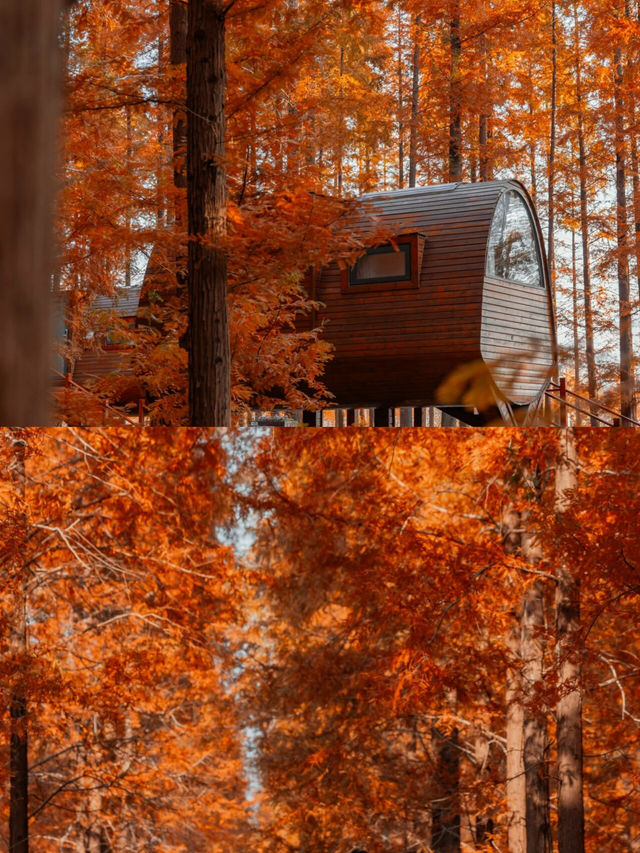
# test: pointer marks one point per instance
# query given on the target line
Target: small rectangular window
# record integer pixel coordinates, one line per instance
(382, 264)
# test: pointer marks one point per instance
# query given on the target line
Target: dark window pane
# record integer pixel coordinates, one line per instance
(513, 249)
(383, 264)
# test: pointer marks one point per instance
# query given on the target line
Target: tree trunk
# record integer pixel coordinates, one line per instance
(574, 296)
(635, 176)
(515, 784)
(29, 100)
(455, 95)
(340, 146)
(415, 102)
(569, 706)
(445, 810)
(400, 106)
(178, 57)
(17, 582)
(584, 226)
(552, 154)
(483, 126)
(624, 306)
(535, 736)
(208, 334)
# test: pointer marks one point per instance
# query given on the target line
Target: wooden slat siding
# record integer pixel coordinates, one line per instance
(521, 345)
(395, 347)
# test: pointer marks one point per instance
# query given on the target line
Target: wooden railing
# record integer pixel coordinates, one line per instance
(592, 409)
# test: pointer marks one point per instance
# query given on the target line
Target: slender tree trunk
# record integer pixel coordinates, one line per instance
(586, 261)
(552, 153)
(400, 105)
(584, 222)
(415, 102)
(535, 736)
(340, 147)
(17, 582)
(576, 337)
(515, 784)
(208, 335)
(127, 268)
(178, 57)
(483, 126)
(30, 97)
(445, 810)
(624, 305)
(635, 176)
(455, 95)
(569, 707)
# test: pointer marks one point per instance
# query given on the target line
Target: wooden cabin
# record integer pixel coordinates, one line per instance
(109, 353)
(463, 281)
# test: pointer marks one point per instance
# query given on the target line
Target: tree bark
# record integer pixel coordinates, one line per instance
(19, 733)
(569, 706)
(30, 97)
(624, 305)
(455, 95)
(208, 333)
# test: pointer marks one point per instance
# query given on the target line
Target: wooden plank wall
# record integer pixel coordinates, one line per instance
(395, 347)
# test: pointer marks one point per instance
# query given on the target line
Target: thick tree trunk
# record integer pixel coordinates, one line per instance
(455, 95)
(415, 101)
(569, 707)
(515, 783)
(208, 333)
(19, 735)
(30, 91)
(624, 305)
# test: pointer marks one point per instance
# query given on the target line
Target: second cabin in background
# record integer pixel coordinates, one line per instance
(464, 281)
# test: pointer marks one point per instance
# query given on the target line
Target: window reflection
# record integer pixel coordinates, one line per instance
(513, 249)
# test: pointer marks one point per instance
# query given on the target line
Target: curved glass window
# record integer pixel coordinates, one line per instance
(513, 253)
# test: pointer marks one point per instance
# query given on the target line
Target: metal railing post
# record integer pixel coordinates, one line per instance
(562, 393)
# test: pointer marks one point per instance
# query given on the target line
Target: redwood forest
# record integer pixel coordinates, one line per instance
(212, 153)
(349, 645)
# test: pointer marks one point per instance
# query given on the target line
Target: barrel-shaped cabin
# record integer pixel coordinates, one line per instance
(462, 279)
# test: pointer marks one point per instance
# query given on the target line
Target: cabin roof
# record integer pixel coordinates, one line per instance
(124, 302)
(432, 208)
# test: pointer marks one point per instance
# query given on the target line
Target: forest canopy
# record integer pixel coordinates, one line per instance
(350, 645)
